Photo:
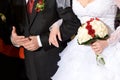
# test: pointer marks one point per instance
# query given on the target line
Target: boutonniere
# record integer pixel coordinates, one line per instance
(40, 5)
(2, 16)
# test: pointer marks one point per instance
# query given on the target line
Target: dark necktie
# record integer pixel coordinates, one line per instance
(29, 10)
(30, 6)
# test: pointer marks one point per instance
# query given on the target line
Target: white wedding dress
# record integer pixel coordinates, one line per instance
(78, 62)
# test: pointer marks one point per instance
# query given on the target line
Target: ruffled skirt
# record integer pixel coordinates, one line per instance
(78, 62)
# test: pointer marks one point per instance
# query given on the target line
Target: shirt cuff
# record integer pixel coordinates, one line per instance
(39, 41)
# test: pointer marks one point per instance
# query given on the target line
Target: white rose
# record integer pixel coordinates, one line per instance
(83, 35)
(100, 28)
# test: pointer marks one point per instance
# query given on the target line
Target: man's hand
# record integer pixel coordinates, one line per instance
(32, 44)
(54, 33)
(16, 39)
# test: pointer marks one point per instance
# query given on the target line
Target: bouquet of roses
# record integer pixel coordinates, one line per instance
(89, 32)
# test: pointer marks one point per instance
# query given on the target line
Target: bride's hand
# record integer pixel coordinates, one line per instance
(54, 35)
(99, 46)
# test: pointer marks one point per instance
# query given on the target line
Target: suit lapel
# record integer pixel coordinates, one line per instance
(26, 13)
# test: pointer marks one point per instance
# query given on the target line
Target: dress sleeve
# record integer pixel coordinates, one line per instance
(114, 37)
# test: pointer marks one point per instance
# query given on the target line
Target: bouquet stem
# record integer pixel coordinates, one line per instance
(100, 60)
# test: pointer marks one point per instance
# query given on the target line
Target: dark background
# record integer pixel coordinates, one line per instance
(11, 68)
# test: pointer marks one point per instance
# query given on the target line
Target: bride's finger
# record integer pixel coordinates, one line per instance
(50, 39)
(98, 51)
(55, 42)
(59, 36)
(94, 47)
(49, 43)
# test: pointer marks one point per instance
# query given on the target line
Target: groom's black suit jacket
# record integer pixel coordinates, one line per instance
(42, 63)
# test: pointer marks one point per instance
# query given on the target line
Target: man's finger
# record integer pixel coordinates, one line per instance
(13, 29)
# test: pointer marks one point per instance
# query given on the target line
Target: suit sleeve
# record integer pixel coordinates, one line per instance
(68, 28)
(70, 23)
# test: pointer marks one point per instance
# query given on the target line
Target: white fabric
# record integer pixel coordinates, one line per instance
(26, 1)
(39, 41)
(114, 37)
(78, 62)
(63, 3)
